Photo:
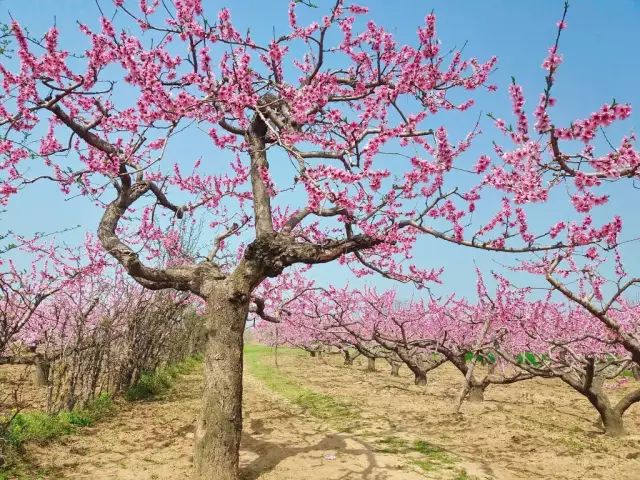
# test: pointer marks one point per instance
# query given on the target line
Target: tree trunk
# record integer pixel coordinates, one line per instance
(636, 372)
(41, 372)
(348, 359)
(610, 417)
(420, 377)
(371, 364)
(219, 428)
(312, 353)
(476, 393)
(612, 422)
(275, 355)
(125, 376)
(322, 358)
(395, 369)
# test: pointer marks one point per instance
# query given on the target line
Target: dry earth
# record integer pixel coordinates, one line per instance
(393, 430)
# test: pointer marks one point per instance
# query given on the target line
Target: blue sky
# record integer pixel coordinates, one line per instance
(600, 63)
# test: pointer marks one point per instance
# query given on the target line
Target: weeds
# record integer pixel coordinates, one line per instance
(431, 451)
(434, 457)
(393, 445)
(16, 473)
(155, 384)
(42, 427)
(572, 443)
(424, 465)
(431, 458)
(463, 475)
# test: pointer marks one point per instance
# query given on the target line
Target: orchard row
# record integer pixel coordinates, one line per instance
(501, 338)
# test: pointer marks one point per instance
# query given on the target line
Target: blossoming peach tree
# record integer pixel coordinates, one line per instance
(303, 123)
(590, 270)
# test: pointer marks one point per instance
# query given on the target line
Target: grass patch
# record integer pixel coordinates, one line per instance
(400, 445)
(41, 427)
(155, 384)
(18, 473)
(463, 475)
(393, 445)
(424, 465)
(434, 457)
(264, 350)
(431, 457)
(572, 443)
(432, 451)
(316, 404)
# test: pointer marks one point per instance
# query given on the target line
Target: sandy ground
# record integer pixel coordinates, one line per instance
(532, 430)
(154, 440)
(537, 429)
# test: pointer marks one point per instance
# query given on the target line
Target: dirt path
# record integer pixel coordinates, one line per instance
(154, 440)
(532, 430)
(143, 441)
(281, 442)
(379, 428)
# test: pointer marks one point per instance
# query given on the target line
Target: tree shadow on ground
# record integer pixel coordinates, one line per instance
(270, 454)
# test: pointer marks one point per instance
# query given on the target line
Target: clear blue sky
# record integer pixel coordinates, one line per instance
(601, 62)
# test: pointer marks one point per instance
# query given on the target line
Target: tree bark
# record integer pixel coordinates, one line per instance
(348, 359)
(312, 353)
(371, 364)
(395, 369)
(219, 427)
(41, 372)
(612, 422)
(610, 417)
(420, 378)
(476, 392)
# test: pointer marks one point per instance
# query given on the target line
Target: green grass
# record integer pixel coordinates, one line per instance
(18, 473)
(424, 465)
(397, 444)
(316, 404)
(155, 384)
(255, 349)
(432, 451)
(393, 445)
(41, 427)
(431, 457)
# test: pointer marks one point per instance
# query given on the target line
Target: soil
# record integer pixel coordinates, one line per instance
(537, 429)
(531, 430)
